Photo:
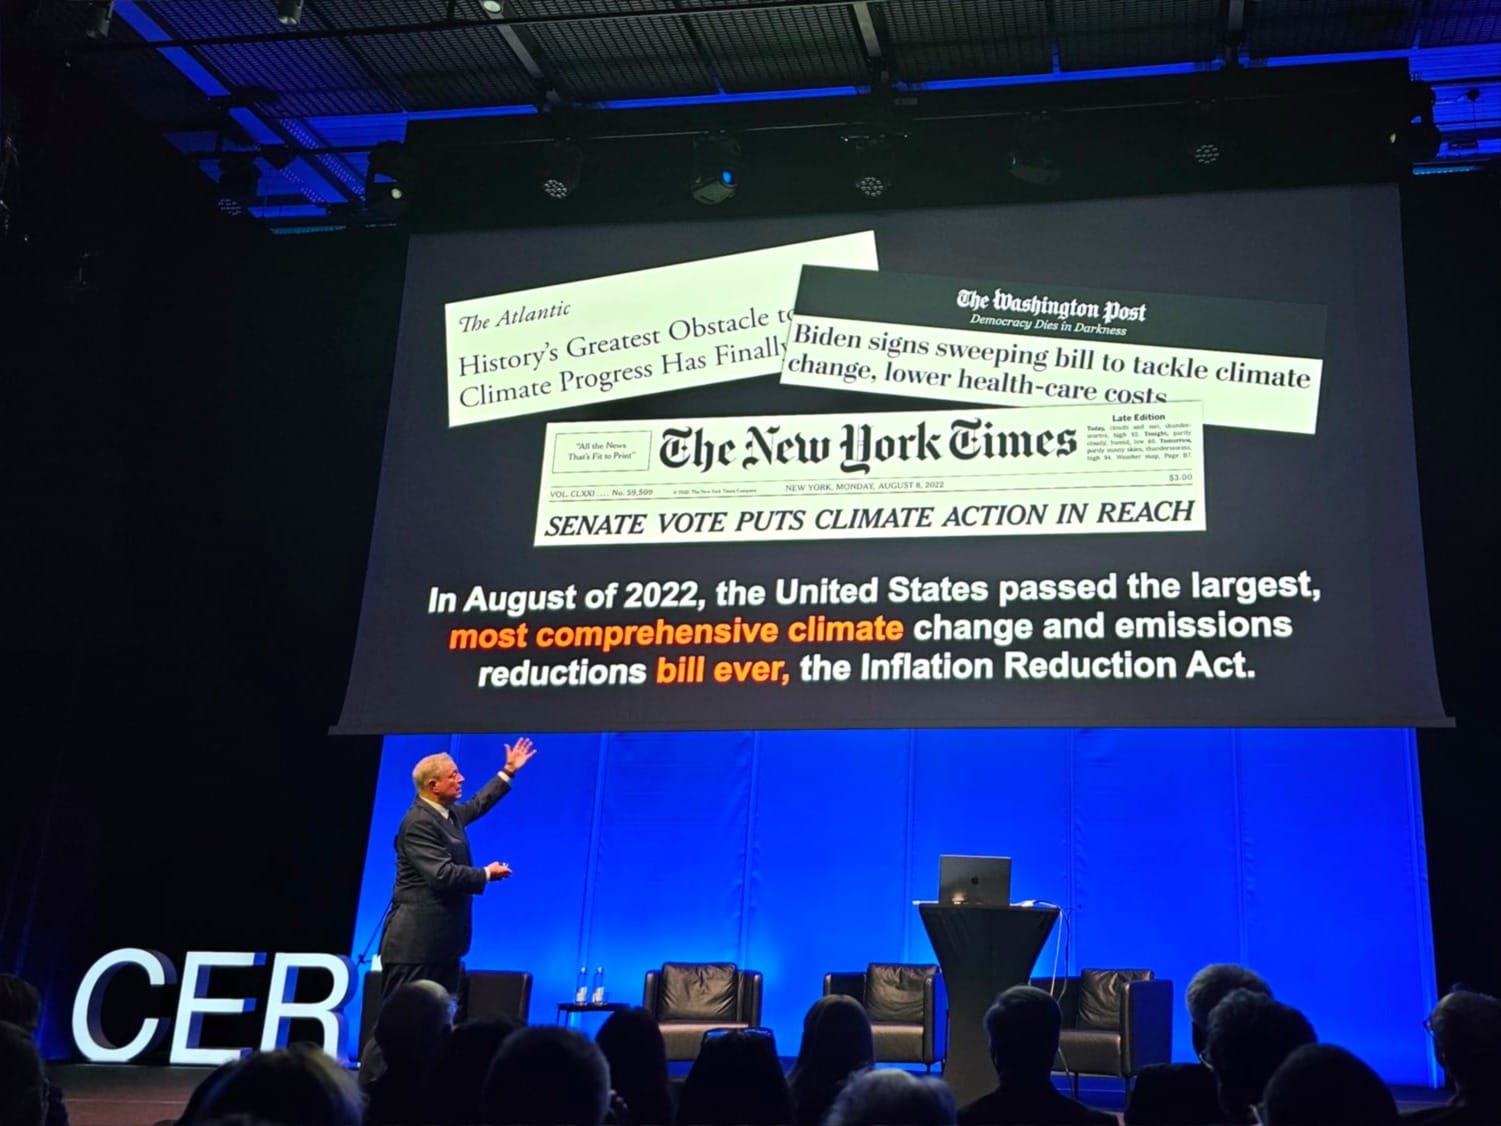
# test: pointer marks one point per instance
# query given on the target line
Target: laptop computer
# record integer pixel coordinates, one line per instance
(974, 881)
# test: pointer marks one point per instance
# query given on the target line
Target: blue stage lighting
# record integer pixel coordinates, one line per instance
(562, 168)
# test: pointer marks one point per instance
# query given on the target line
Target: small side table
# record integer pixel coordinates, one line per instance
(566, 1009)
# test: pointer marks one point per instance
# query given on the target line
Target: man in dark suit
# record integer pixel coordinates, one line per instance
(429, 928)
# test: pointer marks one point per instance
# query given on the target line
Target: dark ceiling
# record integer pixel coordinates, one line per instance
(305, 102)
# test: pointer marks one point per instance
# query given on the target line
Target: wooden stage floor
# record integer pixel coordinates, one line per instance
(120, 1095)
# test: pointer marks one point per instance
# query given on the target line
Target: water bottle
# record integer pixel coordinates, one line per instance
(581, 991)
(599, 986)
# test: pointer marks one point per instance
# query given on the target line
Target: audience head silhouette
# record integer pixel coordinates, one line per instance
(632, 1045)
(1248, 1037)
(21, 1006)
(20, 1003)
(297, 1086)
(411, 1032)
(1321, 1085)
(1210, 986)
(547, 1076)
(414, 1024)
(887, 1095)
(1467, 1040)
(736, 1078)
(1261, 1055)
(1023, 1027)
(23, 1085)
(192, 1113)
(457, 1078)
(837, 1042)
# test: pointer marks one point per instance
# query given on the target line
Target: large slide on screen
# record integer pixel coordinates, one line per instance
(1133, 462)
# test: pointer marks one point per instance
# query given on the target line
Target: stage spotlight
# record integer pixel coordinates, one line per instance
(385, 199)
(716, 168)
(96, 20)
(1417, 139)
(562, 167)
(1031, 155)
(492, 7)
(239, 182)
(387, 179)
(874, 166)
(1204, 140)
(289, 12)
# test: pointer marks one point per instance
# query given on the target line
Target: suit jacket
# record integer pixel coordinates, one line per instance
(1042, 1105)
(436, 881)
(1174, 1094)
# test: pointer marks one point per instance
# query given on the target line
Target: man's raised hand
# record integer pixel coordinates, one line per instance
(497, 871)
(519, 755)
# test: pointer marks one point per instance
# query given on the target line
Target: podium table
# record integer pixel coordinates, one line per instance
(982, 951)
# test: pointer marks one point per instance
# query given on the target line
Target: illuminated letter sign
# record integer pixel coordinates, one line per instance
(329, 1012)
(88, 1028)
(194, 1003)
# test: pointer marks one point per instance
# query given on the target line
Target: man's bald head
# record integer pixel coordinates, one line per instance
(414, 1023)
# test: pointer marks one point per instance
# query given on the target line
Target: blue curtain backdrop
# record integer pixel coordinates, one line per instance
(1299, 853)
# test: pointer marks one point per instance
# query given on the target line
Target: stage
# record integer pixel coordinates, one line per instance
(110, 1095)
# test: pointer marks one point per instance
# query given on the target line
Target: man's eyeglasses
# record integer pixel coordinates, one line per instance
(716, 1033)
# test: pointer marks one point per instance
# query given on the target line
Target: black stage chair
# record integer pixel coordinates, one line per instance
(1115, 1022)
(689, 998)
(908, 1009)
